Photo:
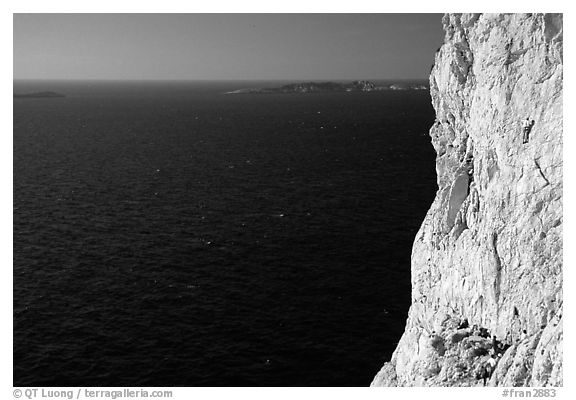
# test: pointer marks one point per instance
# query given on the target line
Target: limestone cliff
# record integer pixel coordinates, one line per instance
(487, 260)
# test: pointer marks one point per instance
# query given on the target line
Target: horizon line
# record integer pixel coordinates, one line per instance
(213, 79)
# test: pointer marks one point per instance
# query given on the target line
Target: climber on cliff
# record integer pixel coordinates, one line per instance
(527, 127)
(498, 347)
(494, 344)
(484, 373)
(490, 366)
(486, 370)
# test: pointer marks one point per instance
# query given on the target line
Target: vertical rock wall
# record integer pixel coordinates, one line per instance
(487, 260)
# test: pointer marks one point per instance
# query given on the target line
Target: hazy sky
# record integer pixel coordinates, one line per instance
(225, 46)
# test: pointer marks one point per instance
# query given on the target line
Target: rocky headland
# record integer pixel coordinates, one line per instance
(486, 268)
(321, 87)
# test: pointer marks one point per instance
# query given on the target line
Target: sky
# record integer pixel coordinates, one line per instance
(225, 46)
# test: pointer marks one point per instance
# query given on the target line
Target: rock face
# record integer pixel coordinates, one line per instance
(487, 260)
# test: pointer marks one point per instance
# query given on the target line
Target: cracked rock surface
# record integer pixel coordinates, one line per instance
(489, 252)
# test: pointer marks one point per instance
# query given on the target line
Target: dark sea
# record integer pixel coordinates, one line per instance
(167, 234)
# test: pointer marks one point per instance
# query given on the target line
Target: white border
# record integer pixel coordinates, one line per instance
(300, 6)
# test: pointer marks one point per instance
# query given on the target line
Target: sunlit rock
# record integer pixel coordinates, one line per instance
(490, 248)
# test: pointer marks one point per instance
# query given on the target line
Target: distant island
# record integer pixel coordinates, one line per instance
(316, 87)
(36, 95)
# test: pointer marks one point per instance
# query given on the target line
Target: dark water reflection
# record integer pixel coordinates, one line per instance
(183, 237)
